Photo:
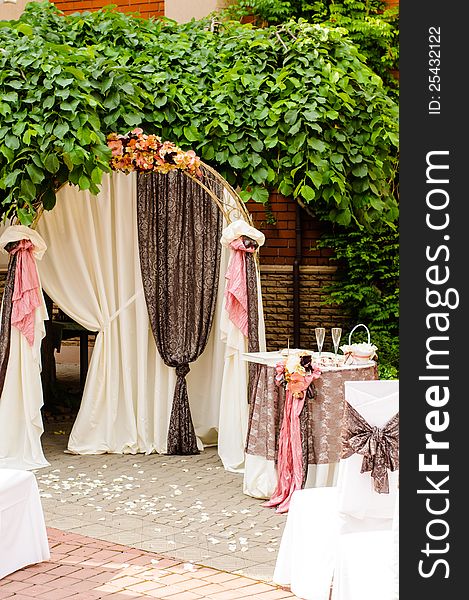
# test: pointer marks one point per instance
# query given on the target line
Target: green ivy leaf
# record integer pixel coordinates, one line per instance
(69, 106)
(27, 189)
(308, 193)
(60, 130)
(260, 194)
(208, 152)
(51, 163)
(49, 199)
(191, 134)
(25, 217)
(10, 97)
(25, 29)
(245, 195)
(311, 114)
(316, 178)
(84, 182)
(7, 153)
(236, 161)
(291, 116)
(96, 175)
(133, 119)
(10, 178)
(316, 144)
(64, 81)
(260, 174)
(12, 142)
(361, 170)
(36, 175)
(257, 145)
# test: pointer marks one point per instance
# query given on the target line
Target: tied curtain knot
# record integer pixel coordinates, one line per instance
(378, 446)
(182, 370)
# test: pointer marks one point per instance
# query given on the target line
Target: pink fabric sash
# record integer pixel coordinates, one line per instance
(290, 456)
(236, 289)
(26, 297)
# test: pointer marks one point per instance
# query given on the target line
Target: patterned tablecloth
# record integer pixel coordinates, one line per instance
(320, 419)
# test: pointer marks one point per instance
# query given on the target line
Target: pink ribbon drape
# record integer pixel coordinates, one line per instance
(26, 297)
(236, 290)
(290, 456)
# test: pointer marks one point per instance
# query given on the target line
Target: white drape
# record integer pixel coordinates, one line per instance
(92, 272)
(21, 401)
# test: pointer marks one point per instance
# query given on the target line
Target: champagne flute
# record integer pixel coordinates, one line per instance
(336, 335)
(320, 333)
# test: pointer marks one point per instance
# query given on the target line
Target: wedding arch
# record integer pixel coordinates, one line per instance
(163, 266)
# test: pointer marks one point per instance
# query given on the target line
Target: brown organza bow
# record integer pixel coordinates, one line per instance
(379, 446)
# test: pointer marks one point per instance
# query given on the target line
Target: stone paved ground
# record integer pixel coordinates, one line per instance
(83, 568)
(188, 507)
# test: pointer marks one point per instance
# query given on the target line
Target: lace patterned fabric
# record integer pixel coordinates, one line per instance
(7, 307)
(379, 446)
(320, 419)
(253, 318)
(179, 228)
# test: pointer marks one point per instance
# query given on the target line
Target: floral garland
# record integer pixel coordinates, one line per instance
(137, 151)
(296, 373)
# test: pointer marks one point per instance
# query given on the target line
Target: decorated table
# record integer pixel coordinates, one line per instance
(312, 420)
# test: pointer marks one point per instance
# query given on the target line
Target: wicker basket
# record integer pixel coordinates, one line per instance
(359, 353)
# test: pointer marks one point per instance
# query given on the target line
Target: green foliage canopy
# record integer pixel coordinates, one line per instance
(295, 110)
(371, 25)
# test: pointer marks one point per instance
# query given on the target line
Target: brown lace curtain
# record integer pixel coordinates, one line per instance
(253, 321)
(179, 228)
(7, 305)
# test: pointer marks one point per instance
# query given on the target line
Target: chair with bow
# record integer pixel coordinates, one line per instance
(342, 537)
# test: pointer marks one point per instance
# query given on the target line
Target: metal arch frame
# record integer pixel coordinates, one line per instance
(230, 212)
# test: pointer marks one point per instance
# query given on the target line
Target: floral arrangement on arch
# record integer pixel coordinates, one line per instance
(296, 373)
(137, 151)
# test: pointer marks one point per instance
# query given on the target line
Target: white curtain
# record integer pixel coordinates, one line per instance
(21, 401)
(92, 272)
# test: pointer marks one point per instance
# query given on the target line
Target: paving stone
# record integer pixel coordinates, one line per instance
(147, 519)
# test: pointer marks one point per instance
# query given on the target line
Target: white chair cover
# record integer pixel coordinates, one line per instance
(23, 535)
(325, 537)
(377, 402)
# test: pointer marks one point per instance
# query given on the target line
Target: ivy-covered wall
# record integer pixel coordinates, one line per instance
(303, 165)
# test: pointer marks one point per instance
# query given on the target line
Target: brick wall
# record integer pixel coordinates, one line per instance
(280, 246)
(277, 295)
(146, 8)
(317, 272)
